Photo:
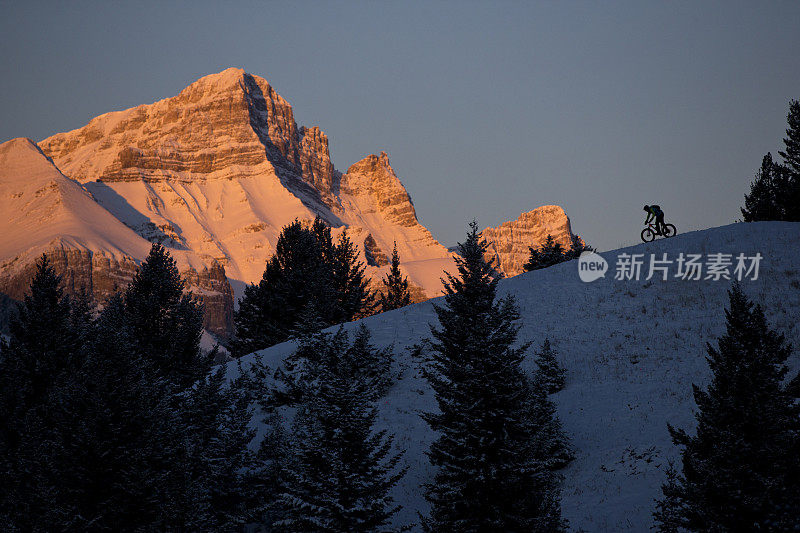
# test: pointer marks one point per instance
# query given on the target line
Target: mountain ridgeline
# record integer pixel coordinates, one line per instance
(214, 174)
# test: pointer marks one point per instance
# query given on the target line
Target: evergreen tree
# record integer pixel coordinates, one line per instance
(551, 445)
(43, 348)
(577, 247)
(353, 296)
(791, 155)
(775, 191)
(308, 270)
(165, 323)
(740, 471)
(117, 449)
(550, 375)
(338, 471)
(217, 415)
(547, 255)
(370, 364)
(492, 470)
(97, 433)
(396, 293)
(761, 203)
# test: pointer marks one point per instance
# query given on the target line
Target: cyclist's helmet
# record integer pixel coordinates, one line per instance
(645, 208)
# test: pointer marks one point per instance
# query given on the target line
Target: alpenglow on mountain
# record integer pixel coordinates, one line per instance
(213, 174)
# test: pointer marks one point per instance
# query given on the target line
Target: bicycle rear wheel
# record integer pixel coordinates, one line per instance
(648, 234)
(669, 230)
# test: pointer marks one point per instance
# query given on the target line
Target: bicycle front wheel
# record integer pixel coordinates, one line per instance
(669, 230)
(648, 234)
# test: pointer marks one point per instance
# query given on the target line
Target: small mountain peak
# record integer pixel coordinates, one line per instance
(371, 163)
(19, 143)
(220, 81)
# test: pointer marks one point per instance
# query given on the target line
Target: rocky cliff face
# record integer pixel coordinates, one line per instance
(509, 243)
(374, 179)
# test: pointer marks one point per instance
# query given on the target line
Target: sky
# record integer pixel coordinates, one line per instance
(486, 109)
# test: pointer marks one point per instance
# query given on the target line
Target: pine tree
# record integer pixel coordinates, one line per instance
(308, 270)
(353, 296)
(492, 471)
(761, 203)
(44, 347)
(338, 471)
(775, 191)
(547, 255)
(98, 434)
(740, 471)
(165, 323)
(119, 441)
(217, 415)
(791, 155)
(550, 375)
(396, 293)
(550, 444)
(577, 247)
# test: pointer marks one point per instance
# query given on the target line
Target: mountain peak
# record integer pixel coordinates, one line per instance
(18, 144)
(509, 243)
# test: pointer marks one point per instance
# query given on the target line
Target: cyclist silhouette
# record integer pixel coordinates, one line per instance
(654, 211)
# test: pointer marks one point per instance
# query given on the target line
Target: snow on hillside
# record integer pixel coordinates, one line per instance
(42, 208)
(632, 350)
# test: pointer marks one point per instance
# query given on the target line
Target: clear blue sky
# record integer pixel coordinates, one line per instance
(486, 109)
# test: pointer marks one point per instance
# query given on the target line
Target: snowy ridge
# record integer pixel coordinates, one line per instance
(632, 349)
(44, 209)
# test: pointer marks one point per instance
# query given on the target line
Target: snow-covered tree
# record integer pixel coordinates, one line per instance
(395, 294)
(371, 364)
(740, 470)
(492, 469)
(550, 374)
(338, 470)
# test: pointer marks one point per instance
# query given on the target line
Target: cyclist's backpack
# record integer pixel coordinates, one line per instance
(657, 209)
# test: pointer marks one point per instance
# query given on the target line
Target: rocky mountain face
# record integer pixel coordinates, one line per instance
(213, 174)
(46, 212)
(509, 243)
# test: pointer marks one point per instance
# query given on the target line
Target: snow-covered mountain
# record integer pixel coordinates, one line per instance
(632, 350)
(214, 173)
(222, 167)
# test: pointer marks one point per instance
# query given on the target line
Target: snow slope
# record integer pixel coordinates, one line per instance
(42, 208)
(632, 350)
